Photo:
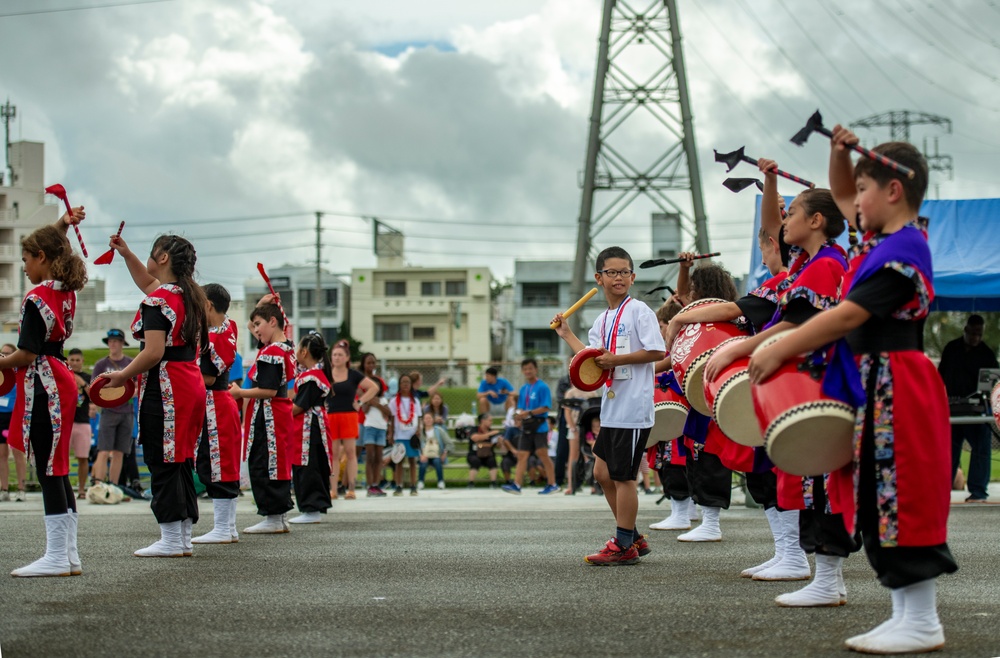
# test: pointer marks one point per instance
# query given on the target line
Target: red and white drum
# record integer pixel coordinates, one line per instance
(691, 349)
(7, 380)
(805, 432)
(728, 396)
(995, 403)
(584, 373)
(670, 413)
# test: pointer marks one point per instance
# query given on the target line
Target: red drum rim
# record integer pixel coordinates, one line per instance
(122, 394)
(7, 381)
(584, 373)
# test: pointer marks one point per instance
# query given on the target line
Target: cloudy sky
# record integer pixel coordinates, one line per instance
(463, 124)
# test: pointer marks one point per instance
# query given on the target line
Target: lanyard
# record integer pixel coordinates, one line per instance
(527, 396)
(608, 341)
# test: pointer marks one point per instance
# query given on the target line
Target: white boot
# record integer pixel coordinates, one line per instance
(794, 565)
(232, 521)
(822, 592)
(220, 532)
(187, 527)
(774, 521)
(170, 544)
(55, 562)
(917, 629)
(692, 510)
(75, 568)
(841, 587)
(678, 519)
(271, 525)
(708, 530)
(307, 517)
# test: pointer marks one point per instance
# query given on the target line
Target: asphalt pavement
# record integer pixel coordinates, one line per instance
(453, 573)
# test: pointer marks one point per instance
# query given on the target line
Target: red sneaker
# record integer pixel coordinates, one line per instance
(612, 554)
(642, 546)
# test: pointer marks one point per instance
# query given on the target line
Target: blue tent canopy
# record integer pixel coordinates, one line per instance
(964, 237)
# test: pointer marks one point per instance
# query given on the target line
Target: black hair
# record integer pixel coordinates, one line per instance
(183, 258)
(819, 200)
(218, 295)
(316, 346)
(267, 312)
(529, 360)
(492, 370)
(905, 154)
(613, 252)
(75, 350)
(481, 417)
(975, 320)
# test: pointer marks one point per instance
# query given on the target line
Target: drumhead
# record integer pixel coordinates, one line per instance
(7, 380)
(703, 302)
(107, 397)
(668, 424)
(771, 340)
(812, 439)
(734, 413)
(584, 373)
(694, 384)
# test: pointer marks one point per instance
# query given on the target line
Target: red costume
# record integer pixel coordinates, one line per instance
(222, 416)
(316, 417)
(270, 419)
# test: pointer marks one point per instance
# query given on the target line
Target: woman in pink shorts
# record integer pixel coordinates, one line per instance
(82, 435)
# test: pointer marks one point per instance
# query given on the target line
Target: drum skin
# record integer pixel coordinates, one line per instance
(584, 373)
(670, 411)
(691, 350)
(729, 398)
(805, 432)
(99, 396)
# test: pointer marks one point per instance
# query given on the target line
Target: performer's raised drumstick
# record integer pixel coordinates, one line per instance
(815, 124)
(575, 307)
(663, 261)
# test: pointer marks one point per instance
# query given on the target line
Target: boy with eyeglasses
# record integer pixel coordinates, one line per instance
(628, 336)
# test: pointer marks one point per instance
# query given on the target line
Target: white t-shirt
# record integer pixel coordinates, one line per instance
(408, 408)
(374, 417)
(632, 405)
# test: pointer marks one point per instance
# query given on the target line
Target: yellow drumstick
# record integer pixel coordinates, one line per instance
(575, 307)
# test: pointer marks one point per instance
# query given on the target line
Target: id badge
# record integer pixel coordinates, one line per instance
(623, 346)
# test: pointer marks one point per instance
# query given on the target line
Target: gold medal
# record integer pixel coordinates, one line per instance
(611, 395)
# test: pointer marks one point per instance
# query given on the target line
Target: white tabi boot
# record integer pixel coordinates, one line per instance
(170, 544)
(693, 513)
(918, 629)
(55, 562)
(272, 524)
(794, 565)
(232, 521)
(678, 519)
(307, 517)
(708, 530)
(72, 552)
(774, 521)
(822, 592)
(220, 532)
(187, 528)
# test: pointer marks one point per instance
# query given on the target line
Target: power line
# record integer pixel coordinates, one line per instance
(968, 27)
(31, 12)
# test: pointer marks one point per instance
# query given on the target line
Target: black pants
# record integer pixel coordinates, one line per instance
(271, 496)
(711, 483)
(822, 533)
(130, 469)
(674, 480)
(312, 481)
(171, 484)
(57, 492)
(562, 451)
(203, 466)
(763, 488)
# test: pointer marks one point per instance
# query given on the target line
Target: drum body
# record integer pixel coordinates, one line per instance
(584, 373)
(805, 432)
(8, 378)
(670, 411)
(107, 397)
(995, 403)
(729, 398)
(691, 350)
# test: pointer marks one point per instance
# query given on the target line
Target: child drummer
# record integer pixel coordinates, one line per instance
(898, 479)
(628, 336)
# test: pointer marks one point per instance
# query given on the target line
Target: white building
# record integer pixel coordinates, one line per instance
(296, 285)
(22, 210)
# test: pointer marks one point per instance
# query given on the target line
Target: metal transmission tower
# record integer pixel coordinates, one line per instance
(640, 66)
(899, 122)
(7, 112)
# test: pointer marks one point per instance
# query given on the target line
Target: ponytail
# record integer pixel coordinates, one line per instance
(183, 257)
(314, 344)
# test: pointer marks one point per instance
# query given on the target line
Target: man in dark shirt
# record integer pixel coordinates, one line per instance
(961, 361)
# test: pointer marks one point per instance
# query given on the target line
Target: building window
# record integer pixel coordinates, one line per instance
(395, 288)
(454, 288)
(392, 332)
(540, 341)
(306, 298)
(423, 333)
(332, 296)
(430, 288)
(539, 294)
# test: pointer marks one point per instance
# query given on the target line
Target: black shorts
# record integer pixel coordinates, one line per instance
(533, 442)
(476, 462)
(623, 449)
(508, 462)
(4, 426)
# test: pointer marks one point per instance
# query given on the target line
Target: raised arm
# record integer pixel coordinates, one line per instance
(842, 172)
(145, 281)
(770, 204)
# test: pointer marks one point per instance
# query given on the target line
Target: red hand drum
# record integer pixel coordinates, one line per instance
(7, 380)
(995, 403)
(584, 373)
(670, 411)
(728, 396)
(805, 432)
(107, 397)
(691, 349)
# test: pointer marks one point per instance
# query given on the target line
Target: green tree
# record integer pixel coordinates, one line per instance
(945, 326)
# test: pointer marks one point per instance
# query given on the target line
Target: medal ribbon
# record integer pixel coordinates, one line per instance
(609, 341)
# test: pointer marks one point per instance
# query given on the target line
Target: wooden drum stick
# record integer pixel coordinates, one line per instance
(575, 307)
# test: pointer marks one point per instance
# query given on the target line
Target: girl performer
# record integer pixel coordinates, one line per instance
(897, 490)
(220, 446)
(311, 436)
(171, 325)
(46, 399)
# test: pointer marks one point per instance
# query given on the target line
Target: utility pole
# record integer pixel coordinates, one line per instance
(640, 86)
(7, 112)
(319, 276)
(899, 123)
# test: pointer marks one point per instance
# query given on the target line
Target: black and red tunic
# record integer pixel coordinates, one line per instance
(222, 416)
(311, 389)
(270, 419)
